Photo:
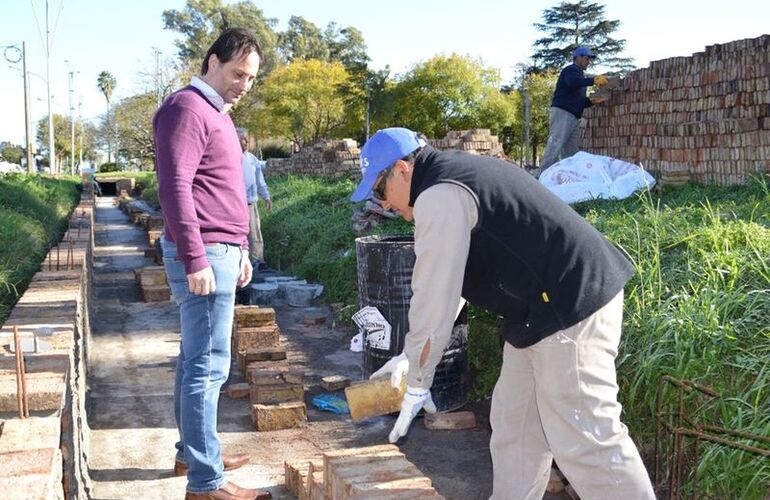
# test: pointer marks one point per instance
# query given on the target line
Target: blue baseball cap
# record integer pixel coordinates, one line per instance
(382, 150)
(582, 51)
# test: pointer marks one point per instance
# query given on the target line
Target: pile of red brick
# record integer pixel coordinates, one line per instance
(276, 393)
(704, 118)
(358, 473)
(478, 141)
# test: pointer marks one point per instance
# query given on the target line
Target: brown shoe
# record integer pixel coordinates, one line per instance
(230, 491)
(231, 462)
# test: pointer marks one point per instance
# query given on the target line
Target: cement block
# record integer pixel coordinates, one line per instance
(251, 316)
(256, 338)
(157, 293)
(333, 458)
(238, 391)
(374, 397)
(279, 416)
(334, 383)
(276, 393)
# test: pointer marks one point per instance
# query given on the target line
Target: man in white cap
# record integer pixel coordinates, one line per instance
(488, 232)
(569, 101)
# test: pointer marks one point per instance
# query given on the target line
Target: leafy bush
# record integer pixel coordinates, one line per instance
(109, 167)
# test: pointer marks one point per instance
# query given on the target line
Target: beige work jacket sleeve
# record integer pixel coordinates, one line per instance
(444, 216)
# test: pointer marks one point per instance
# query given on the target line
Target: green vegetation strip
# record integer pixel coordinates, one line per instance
(34, 213)
(697, 307)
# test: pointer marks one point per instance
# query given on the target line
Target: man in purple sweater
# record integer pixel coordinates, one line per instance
(202, 194)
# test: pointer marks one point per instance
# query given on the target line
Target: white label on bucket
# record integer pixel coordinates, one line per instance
(374, 327)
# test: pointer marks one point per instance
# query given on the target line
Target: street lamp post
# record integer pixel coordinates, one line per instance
(13, 55)
(27, 121)
(71, 75)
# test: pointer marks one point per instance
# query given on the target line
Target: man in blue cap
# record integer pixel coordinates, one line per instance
(490, 233)
(569, 101)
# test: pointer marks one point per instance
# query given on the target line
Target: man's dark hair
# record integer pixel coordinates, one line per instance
(231, 43)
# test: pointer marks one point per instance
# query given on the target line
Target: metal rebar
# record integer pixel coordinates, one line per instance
(21, 382)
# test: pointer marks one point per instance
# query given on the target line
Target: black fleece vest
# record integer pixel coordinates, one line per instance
(533, 259)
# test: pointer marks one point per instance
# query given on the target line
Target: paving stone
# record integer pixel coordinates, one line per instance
(238, 391)
(374, 397)
(256, 338)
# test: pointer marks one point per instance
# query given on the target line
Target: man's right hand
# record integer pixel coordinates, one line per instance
(600, 80)
(202, 282)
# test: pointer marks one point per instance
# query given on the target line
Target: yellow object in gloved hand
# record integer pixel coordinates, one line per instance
(600, 80)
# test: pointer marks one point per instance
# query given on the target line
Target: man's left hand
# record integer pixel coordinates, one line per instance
(415, 399)
(269, 204)
(245, 274)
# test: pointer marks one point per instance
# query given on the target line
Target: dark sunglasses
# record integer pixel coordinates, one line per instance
(381, 182)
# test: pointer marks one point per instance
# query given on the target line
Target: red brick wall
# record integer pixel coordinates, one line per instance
(707, 115)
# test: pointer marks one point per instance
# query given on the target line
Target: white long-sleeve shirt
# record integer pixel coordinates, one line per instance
(444, 216)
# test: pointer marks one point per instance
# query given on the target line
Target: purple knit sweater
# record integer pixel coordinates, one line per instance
(200, 183)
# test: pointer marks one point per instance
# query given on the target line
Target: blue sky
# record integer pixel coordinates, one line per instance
(119, 36)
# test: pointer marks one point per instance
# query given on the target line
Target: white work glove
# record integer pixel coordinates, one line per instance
(397, 366)
(415, 399)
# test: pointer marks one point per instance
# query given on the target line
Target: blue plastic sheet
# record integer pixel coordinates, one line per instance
(331, 402)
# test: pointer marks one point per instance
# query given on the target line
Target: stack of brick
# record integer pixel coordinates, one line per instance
(277, 394)
(358, 473)
(331, 159)
(478, 141)
(704, 118)
(153, 283)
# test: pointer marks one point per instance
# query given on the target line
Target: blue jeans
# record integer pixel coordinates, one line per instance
(204, 361)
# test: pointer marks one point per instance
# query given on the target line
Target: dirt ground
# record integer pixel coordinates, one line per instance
(130, 406)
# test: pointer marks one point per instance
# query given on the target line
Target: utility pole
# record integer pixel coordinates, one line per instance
(527, 123)
(48, 43)
(80, 124)
(71, 75)
(27, 124)
(158, 95)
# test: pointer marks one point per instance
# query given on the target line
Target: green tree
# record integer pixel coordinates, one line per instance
(346, 45)
(202, 21)
(449, 93)
(11, 153)
(133, 122)
(84, 138)
(305, 101)
(582, 23)
(302, 40)
(106, 84)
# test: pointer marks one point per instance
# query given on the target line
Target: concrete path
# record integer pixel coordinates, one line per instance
(130, 408)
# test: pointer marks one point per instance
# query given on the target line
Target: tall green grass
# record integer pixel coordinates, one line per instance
(697, 307)
(34, 211)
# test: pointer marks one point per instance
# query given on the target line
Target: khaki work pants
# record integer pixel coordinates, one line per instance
(256, 245)
(557, 400)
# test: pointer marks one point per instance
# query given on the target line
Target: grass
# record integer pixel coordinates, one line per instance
(34, 211)
(696, 308)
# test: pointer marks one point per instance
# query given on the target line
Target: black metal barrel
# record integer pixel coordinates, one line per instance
(385, 281)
